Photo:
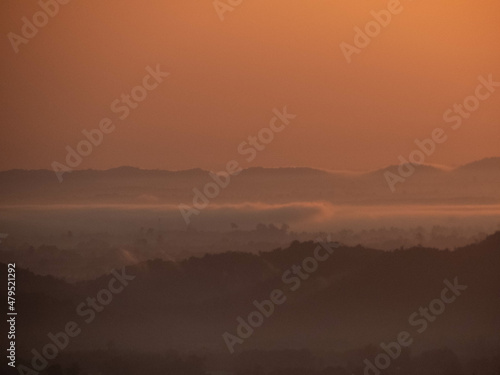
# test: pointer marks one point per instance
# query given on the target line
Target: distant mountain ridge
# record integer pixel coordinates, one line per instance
(488, 164)
(491, 162)
(474, 183)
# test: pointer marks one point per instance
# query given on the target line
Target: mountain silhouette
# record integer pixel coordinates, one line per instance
(475, 183)
(357, 297)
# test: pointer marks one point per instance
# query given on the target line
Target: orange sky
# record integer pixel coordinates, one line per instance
(226, 77)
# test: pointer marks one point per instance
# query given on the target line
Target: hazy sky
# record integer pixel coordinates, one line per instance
(226, 77)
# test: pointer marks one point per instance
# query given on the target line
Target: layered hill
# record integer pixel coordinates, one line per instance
(357, 297)
(475, 183)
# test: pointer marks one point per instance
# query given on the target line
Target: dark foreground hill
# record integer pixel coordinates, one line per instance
(357, 298)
